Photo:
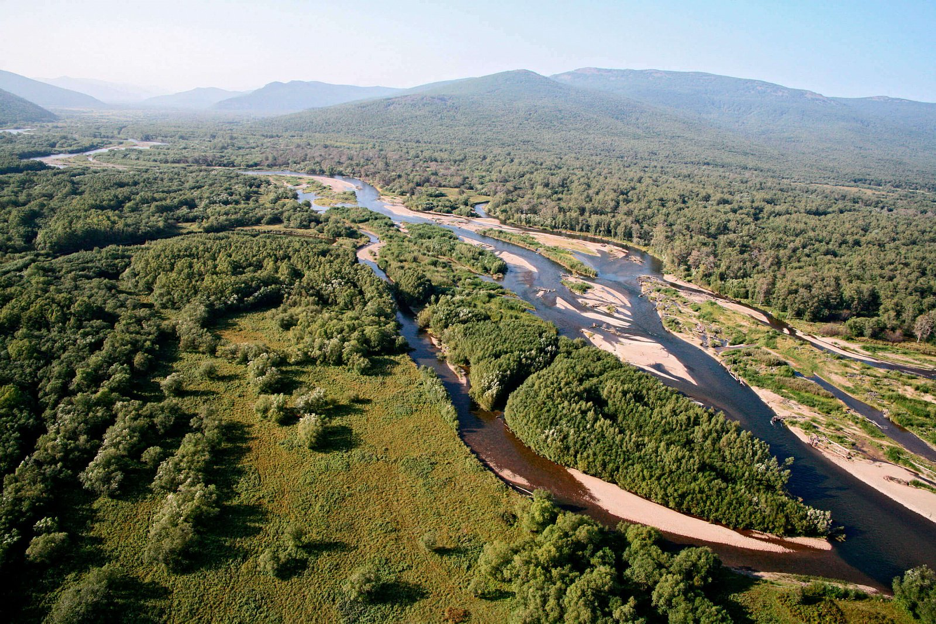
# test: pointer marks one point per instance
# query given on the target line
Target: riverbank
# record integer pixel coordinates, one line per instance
(838, 346)
(60, 161)
(889, 479)
(864, 458)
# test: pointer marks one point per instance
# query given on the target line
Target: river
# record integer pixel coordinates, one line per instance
(883, 538)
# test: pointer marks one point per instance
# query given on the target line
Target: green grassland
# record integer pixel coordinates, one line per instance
(391, 479)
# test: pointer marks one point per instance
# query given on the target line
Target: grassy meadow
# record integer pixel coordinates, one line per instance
(392, 487)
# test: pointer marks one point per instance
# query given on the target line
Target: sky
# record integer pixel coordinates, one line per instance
(847, 48)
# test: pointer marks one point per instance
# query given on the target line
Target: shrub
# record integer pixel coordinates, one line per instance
(47, 547)
(287, 556)
(311, 430)
(915, 592)
(208, 370)
(430, 541)
(172, 385)
(273, 407)
(365, 582)
(90, 599)
(263, 374)
(541, 513)
(311, 401)
(173, 534)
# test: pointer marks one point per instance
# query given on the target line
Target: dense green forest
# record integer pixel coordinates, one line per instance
(589, 411)
(570, 569)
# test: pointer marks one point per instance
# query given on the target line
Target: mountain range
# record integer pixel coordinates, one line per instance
(195, 99)
(692, 116)
(286, 97)
(46, 95)
(657, 117)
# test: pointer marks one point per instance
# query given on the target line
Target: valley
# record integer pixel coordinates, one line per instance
(404, 355)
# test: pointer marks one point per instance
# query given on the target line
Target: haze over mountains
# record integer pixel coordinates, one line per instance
(107, 92)
(280, 97)
(46, 95)
(194, 99)
(689, 116)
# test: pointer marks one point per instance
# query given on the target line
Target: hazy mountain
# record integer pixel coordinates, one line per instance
(279, 97)
(46, 95)
(109, 92)
(15, 110)
(757, 107)
(514, 109)
(860, 136)
(195, 99)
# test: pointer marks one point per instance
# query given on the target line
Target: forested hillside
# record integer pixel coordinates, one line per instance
(801, 120)
(15, 110)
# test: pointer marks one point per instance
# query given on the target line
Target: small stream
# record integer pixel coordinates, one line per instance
(892, 430)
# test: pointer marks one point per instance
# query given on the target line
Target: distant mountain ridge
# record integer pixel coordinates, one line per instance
(195, 99)
(510, 109)
(108, 92)
(15, 110)
(653, 116)
(753, 106)
(280, 97)
(46, 95)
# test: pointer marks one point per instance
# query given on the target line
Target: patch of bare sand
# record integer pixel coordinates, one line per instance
(516, 261)
(642, 353)
(555, 240)
(633, 508)
(369, 251)
(334, 183)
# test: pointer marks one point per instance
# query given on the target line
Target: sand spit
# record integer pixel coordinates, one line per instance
(633, 508)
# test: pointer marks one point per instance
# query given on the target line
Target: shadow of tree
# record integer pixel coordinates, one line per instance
(236, 519)
(399, 593)
(339, 438)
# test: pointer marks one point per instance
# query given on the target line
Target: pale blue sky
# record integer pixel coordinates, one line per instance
(835, 47)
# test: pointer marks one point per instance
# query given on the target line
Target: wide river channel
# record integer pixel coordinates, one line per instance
(882, 538)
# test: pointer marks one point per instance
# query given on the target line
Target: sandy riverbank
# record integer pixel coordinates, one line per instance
(516, 261)
(369, 251)
(476, 224)
(633, 508)
(334, 184)
(835, 345)
(889, 479)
